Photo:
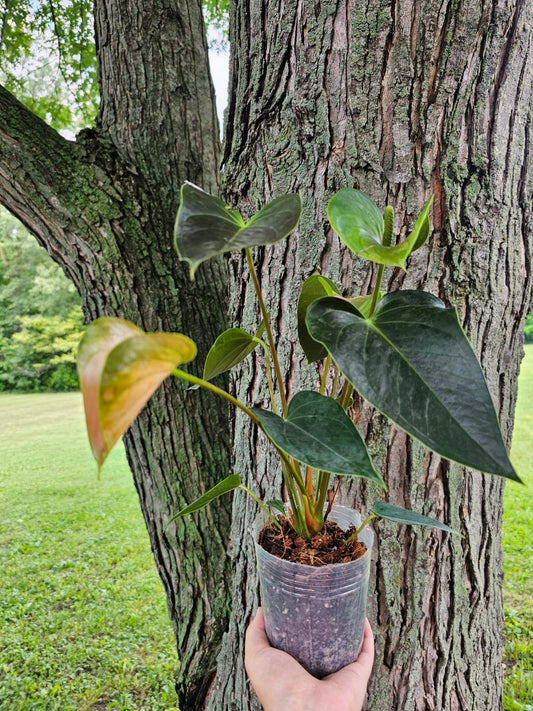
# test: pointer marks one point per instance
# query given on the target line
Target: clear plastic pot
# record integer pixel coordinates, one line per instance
(317, 615)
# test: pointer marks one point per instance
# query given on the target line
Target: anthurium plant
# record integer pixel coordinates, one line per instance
(404, 352)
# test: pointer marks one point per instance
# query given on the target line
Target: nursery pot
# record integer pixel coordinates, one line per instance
(317, 615)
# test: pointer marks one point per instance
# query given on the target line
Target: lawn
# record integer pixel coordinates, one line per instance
(518, 551)
(82, 611)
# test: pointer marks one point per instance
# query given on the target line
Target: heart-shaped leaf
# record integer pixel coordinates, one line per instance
(320, 434)
(205, 226)
(230, 483)
(359, 223)
(401, 515)
(314, 287)
(414, 363)
(229, 349)
(120, 367)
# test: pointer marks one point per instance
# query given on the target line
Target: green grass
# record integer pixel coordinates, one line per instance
(518, 551)
(83, 620)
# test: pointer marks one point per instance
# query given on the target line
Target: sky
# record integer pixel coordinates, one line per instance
(219, 64)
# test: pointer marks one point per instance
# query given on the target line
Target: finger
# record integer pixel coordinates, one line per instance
(365, 660)
(256, 639)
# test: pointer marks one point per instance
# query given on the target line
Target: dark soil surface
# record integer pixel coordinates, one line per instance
(328, 546)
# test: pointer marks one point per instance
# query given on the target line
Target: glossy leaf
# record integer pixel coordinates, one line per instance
(359, 223)
(230, 483)
(320, 434)
(406, 516)
(314, 287)
(229, 349)
(205, 226)
(413, 362)
(120, 367)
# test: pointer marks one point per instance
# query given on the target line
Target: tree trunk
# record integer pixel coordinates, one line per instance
(402, 101)
(104, 209)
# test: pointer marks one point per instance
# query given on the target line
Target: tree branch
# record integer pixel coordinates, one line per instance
(57, 188)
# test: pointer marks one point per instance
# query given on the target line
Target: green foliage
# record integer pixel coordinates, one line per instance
(48, 60)
(400, 515)
(229, 349)
(314, 287)
(528, 329)
(40, 317)
(120, 367)
(216, 15)
(404, 352)
(48, 56)
(206, 227)
(360, 225)
(42, 355)
(83, 618)
(230, 483)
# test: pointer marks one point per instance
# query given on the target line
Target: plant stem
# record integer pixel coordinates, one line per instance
(332, 498)
(335, 385)
(388, 228)
(269, 376)
(309, 481)
(258, 501)
(209, 386)
(375, 293)
(325, 374)
(346, 394)
(365, 522)
(298, 520)
(292, 471)
(270, 338)
(322, 490)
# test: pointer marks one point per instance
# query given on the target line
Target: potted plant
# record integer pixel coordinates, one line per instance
(404, 352)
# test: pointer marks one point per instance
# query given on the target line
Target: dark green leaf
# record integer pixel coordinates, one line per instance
(413, 362)
(314, 287)
(320, 434)
(400, 515)
(229, 349)
(358, 222)
(278, 505)
(205, 226)
(228, 484)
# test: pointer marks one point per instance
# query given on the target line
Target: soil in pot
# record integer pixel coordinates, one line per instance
(328, 546)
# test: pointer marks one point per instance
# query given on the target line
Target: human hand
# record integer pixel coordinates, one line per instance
(281, 683)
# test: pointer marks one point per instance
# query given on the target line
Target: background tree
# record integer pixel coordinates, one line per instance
(41, 321)
(399, 99)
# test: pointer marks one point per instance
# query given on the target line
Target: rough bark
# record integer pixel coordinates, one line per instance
(104, 208)
(402, 100)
